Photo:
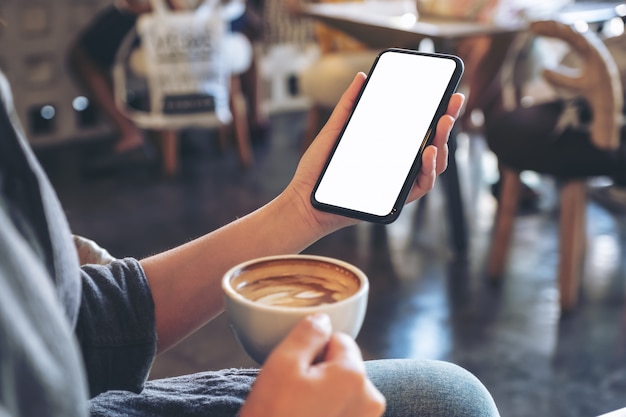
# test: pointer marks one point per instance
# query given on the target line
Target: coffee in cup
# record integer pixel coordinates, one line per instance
(266, 297)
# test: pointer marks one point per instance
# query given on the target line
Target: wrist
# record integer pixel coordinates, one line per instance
(297, 219)
(315, 224)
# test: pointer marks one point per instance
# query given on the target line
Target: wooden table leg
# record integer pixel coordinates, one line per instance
(510, 185)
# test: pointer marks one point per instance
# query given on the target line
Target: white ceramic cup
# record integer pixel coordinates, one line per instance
(259, 324)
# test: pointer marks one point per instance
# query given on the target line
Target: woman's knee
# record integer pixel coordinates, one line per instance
(433, 388)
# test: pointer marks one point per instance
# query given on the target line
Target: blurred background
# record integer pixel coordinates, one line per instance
(430, 298)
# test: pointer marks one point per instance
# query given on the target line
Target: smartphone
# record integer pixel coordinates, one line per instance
(378, 154)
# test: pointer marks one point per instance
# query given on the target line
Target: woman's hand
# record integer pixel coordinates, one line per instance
(294, 383)
(434, 159)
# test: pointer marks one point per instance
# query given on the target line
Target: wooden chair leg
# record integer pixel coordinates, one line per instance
(169, 151)
(510, 185)
(240, 122)
(572, 241)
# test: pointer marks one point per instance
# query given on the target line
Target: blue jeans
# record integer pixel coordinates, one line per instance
(412, 388)
(430, 388)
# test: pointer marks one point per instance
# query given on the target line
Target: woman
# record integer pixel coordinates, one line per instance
(81, 340)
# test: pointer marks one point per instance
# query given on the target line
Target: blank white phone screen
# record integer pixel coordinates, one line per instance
(386, 131)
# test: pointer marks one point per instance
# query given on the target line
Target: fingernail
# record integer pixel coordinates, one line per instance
(322, 322)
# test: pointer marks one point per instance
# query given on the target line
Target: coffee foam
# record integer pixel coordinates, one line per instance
(295, 283)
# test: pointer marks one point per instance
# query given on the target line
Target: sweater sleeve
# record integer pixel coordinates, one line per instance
(116, 326)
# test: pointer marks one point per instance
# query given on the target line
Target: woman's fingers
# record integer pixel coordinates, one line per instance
(304, 343)
(313, 373)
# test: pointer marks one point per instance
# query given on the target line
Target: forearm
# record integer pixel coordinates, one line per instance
(186, 281)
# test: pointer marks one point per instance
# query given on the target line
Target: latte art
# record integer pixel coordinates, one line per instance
(296, 284)
(266, 297)
(296, 290)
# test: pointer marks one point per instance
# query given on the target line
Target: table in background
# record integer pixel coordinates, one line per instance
(395, 23)
(382, 24)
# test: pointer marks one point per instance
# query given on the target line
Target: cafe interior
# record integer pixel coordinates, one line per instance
(512, 267)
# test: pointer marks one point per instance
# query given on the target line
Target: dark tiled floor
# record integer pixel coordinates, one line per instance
(425, 302)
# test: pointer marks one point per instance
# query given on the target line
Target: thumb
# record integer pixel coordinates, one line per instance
(304, 343)
(346, 102)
